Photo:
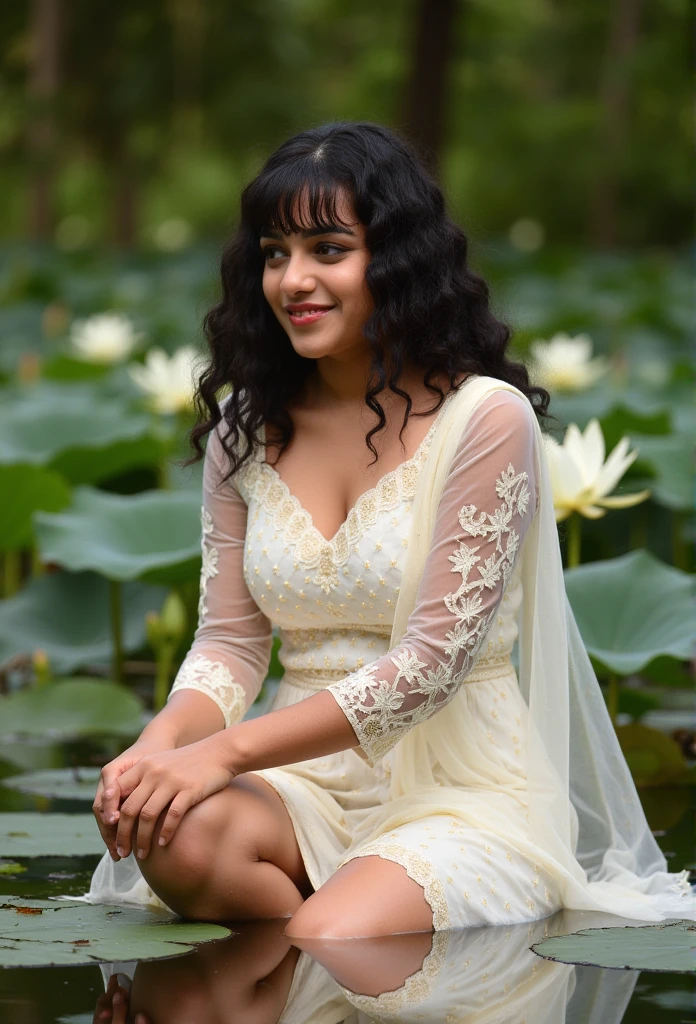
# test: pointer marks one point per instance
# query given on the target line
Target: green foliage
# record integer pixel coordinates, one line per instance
(28, 489)
(631, 610)
(658, 947)
(43, 835)
(75, 431)
(72, 707)
(67, 616)
(153, 536)
(60, 783)
(41, 933)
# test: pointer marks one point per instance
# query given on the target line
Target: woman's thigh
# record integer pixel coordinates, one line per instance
(369, 896)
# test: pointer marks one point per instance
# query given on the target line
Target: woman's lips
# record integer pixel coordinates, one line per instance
(300, 319)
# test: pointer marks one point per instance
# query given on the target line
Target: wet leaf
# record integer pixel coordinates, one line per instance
(46, 835)
(659, 947)
(42, 932)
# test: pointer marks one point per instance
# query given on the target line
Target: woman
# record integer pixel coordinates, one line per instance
(408, 778)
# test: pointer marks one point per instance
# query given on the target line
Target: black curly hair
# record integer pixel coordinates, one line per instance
(430, 309)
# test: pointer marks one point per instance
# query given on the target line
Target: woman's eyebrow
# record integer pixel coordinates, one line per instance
(326, 229)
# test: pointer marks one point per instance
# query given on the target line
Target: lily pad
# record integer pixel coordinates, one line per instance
(661, 947)
(28, 489)
(83, 435)
(67, 616)
(153, 536)
(41, 933)
(633, 609)
(26, 834)
(72, 707)
(59, 783)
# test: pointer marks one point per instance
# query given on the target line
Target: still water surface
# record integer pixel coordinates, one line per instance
(257, 977)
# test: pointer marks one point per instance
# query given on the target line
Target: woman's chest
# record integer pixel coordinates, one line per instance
(299, 578)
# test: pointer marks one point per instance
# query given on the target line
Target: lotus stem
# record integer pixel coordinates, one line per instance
(37, 566)
(116, 608)
(574, 526)
(613, 698)
(12, 566)
(680, 555)
(163, 675)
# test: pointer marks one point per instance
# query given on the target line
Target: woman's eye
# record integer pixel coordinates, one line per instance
(337, 249)
(270, 251)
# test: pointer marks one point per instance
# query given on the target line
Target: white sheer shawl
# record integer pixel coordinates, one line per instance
(583, 807)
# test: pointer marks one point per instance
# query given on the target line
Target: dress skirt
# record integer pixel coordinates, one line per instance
(477, 866)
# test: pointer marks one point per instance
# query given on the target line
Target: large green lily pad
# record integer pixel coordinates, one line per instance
(41, 933)
(72, 707)
(60, 783)
(633, 609)
(661, 947)
(153, 536)
(67, 615)
(25, 834)
(83, 435)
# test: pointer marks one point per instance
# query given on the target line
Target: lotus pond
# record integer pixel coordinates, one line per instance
(99, 584)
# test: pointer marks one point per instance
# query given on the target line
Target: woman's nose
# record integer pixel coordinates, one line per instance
(298, 276)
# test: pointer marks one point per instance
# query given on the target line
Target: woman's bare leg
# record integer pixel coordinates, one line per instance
(369, 925)
(233, 857)
(368, 896)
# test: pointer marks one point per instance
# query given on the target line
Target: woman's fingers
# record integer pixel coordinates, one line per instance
(148, 819)
(131, 811)
(108, 832)
(178, 808)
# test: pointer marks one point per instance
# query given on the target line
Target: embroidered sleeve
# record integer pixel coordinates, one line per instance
(486, 507)
(231, 649)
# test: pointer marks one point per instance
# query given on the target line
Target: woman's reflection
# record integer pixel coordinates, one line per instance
(474, 976)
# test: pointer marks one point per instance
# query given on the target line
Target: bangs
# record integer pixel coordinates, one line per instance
(293, 198)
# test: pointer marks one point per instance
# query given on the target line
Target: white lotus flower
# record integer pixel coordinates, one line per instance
(167, 380)
(104, 338)
(581, 479)
(565, 363)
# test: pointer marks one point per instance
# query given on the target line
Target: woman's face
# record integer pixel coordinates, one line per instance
(314, 281)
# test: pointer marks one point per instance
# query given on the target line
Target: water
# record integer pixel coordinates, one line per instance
(257, 976)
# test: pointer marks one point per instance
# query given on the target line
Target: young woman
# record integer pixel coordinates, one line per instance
(409, 777)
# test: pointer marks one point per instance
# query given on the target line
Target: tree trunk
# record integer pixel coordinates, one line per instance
(425, 101)
(614, 98)
(46, 26)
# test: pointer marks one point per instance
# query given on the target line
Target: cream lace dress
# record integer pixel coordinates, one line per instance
(332, 601)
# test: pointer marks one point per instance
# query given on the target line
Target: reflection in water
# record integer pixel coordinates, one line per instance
(483, 975)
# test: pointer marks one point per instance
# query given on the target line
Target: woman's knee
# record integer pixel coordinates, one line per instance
(182, 869)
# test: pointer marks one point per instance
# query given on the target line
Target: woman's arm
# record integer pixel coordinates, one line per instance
(222, 672)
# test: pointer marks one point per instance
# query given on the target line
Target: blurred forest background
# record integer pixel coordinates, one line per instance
(118, 119)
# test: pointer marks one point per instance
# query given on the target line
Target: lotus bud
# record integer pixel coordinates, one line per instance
(173, 618)
(41, 666)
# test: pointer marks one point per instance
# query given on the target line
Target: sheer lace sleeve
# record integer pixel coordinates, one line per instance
(231, 650)
(487, 504)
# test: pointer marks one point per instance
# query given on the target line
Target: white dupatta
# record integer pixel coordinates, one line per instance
(583, 807)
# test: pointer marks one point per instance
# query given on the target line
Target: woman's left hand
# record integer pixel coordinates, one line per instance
(180, 778)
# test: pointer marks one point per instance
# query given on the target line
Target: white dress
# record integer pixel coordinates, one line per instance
(266, 565)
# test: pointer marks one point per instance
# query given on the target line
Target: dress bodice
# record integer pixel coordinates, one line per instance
(332, 602)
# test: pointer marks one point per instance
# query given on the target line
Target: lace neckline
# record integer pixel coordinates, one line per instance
(384, 484)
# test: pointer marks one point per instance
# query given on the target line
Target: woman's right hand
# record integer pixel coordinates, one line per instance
(107, 798)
